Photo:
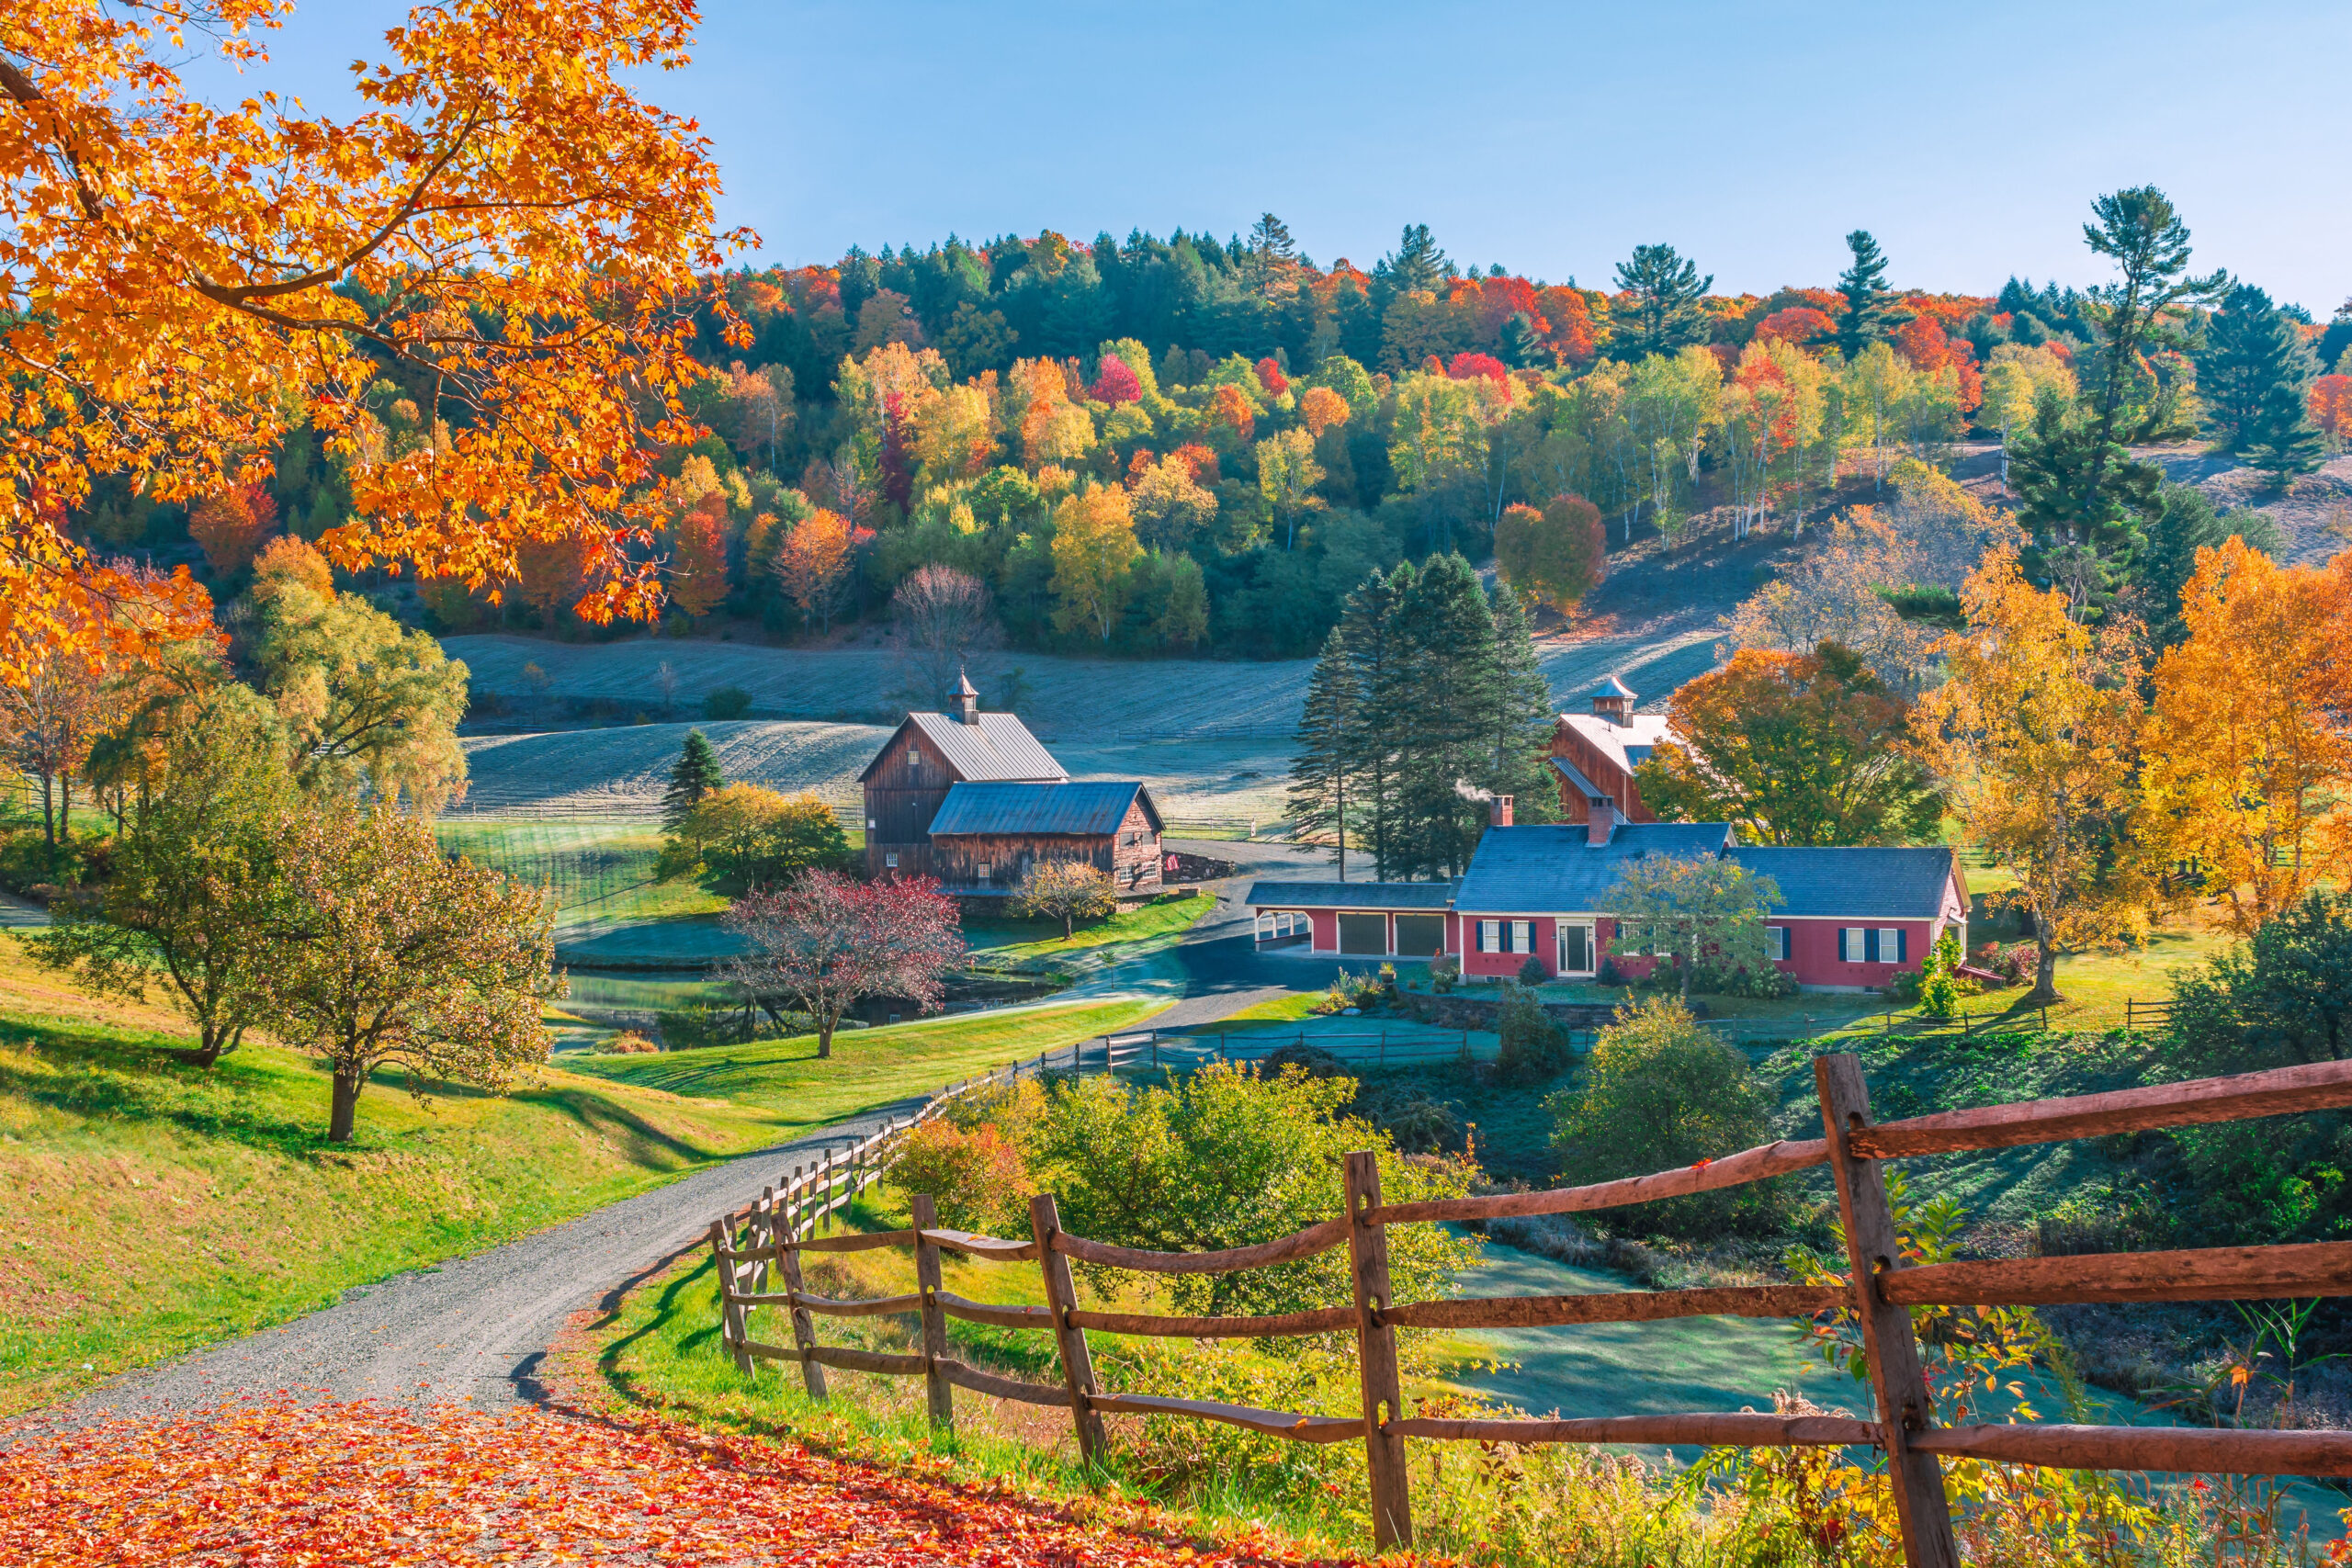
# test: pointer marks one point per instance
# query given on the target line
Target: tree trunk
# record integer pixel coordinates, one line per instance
(347, 1082)
(2045, 971)
(49, 808)
(1069, 926)
(825, 1024)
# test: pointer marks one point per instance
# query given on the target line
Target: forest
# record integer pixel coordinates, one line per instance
(1170, 446)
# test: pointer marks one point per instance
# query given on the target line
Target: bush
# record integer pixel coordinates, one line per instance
(1533, 1047)
(1662, 1092)
(2283, 997)
(1939, 985)
(975, 1175)
(1444, 974)
(726, 701)
(2015, 963)
(1610, 973)
(629, 1043)
(1532, 972)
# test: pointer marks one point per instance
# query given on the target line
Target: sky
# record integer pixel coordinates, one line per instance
(1549, 138)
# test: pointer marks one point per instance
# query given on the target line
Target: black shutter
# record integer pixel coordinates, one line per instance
(1870, 944)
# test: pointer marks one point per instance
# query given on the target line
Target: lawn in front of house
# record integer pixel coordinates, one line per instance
(1168, 916)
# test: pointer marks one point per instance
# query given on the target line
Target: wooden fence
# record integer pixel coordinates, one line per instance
(783, 1225)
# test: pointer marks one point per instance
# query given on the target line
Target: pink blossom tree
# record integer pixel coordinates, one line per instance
(826, 942)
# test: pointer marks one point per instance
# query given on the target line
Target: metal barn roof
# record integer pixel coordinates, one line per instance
(1092, 810)
(999, 747)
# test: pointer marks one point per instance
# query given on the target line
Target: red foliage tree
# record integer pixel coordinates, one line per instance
(816, 560)
(552, 574)
(1799, 325)
(1231, 410)
(897, 465)
(1567, 325)
(1200, 460)
(231, 526)
(2331, 400)
(1116, 383)
(1465, 366)
(1271, 376)
(1922, 341)
(827, 942)
(697, 576)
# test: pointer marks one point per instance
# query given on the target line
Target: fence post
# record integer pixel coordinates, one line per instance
(1920, 1504)
(940, 1394)
(1070, 1342)
(732, 1327)
(804, 1327)
(1383, 1399)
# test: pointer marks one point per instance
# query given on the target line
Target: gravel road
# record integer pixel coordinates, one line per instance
(474, 1328)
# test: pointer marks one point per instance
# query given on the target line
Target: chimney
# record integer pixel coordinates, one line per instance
(1602, 821)
(1498, 812)
(968, 700)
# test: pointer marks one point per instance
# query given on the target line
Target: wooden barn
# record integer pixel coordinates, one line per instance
(972, 799)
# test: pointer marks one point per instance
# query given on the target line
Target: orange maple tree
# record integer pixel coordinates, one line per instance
(506, 229)
(2331, 402)
(232, 526)
(815, 561)
(698, 556)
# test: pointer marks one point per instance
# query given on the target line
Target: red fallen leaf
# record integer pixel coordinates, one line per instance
(1700, 1163)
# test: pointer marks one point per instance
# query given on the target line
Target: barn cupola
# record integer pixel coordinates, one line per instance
(967, 699)
(1613, 700)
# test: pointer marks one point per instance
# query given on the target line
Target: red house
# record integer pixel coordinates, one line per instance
(1852, 918)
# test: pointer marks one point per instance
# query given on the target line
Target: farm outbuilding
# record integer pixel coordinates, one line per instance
(973, 800)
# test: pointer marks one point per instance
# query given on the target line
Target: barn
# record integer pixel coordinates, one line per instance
(972, 799)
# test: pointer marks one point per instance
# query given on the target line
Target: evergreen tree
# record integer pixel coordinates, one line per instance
(2184, 522)
(1665, 313)
(1373, 630)
(1416, 263)
(695, 776)
(1321, 770)
(2141, 233)
(1517, 714)
(1869, 315)
(1444, 748)
(2254, 376)
(2086, 552)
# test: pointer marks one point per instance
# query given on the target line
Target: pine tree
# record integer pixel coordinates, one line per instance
(1416, 263)
(1665, 313)
(1868, 317)
(2183, 523)
(1321, 769)
(695, 776)
(2082, 550)
(1515, 712)
(1373, 629)
(1443, 748)
(2254, 376)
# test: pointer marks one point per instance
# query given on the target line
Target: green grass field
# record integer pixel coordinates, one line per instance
(1169, 915)
(869, 1068)
(600, 869)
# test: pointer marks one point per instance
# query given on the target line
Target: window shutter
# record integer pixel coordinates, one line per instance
(1895, 940)
(1850, 945)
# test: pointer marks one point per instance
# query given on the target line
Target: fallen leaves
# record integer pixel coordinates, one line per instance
(333, 1484)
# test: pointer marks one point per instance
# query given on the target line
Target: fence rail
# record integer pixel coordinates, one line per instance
(1881, 1293)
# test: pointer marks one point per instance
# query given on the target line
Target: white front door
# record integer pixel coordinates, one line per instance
(1576, 947)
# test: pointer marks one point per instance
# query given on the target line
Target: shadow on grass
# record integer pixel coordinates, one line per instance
(100, 1073)
(642, 1144)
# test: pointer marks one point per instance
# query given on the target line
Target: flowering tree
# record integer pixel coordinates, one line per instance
(505, 223)
(826, 942)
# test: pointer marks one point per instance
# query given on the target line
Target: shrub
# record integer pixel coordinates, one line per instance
(1444, 974)
(2283, 997)
(726, 701)
(1662, 1092)
(1532, 972)
(1610, 973)
(2015, 963)
(629, 1043)
(1938, 983)
(1533, 1047)
(975, 1175)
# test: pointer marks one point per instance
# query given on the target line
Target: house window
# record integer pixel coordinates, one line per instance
(1858, 944)
(1490, 936)
(1776, 942)
(1891, 946)
(1522, 936)
(891, 862)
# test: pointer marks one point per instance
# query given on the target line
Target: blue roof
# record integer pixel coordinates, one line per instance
(1432, 896)
(1092, 810)
(1554, 868)
(1855, 883)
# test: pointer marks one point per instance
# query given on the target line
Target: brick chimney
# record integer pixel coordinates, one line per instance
(1601, 822)
(968, 700)
(1498, 811)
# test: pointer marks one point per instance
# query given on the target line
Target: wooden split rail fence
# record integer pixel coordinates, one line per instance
(778, 1230)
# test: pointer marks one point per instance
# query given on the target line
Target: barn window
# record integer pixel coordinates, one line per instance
(871, 824)
(984, 869)
(891, 862)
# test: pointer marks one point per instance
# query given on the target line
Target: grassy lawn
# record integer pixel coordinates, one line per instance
(1165, 917)
(869, 1068)
(161, 1207)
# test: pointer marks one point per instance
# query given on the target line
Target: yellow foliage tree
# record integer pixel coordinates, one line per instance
(2249, 758)
(1094, 550)
(505, 225)
(2036, 738)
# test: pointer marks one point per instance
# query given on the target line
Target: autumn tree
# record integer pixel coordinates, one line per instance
(364, 700)
(2249, 759)
(1559, 554)
(231, 526)
(825, 942)
(816, 562)
(1170, 506)
(1321, 408)
(697, 571)
(1093, 549)
(1698, 912)
(194, 899)
(405, 957)
(943, 615)
(1795, 748)
(505, 223)
(1065, 890)
(2035, 741)
(1287, 475)
(741, 836)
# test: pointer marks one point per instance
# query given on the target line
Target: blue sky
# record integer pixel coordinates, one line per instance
(1552, 138)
